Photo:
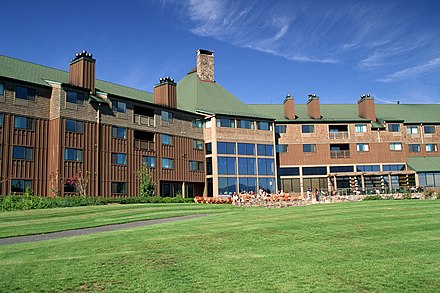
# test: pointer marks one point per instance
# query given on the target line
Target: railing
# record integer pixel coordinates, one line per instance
(340, 154)
(144, 120)
(144, 144)
(338, 135)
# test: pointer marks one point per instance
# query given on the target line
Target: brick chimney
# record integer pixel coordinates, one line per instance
(313, 109)
(366, 107)
(165, 93)
(82, 71)
(205, 65)
(289, 107)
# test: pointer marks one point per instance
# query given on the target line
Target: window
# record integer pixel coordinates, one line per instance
(430, 179)
(280, 128)
(309, 148)
(119, 187)
(118, 106)
(69, 186)
(281, 148)
(267, 184)
(246, 149)
(225, 122)
(208, 148)
(393, 127)
(22, 153)
(75, 97)
(246, 166)
(148, 161)
(395, 167)
(119, 159)
(74, 126)
(247, 184)
(19, 185)
(291, 171)
(414, 148)
(262, 125)
(167, 139)
(167, 163)
(1, 119)
(166, 116)
(227, 148)
(341, 169)
(2, 89)
(197, 144)
(428, 129)
(248, 124)
(395, 146)
(431, 147)
(360, 128)
(25, 93)
(362, 147)
(119, 132)
(208, 166)
(226, 165)
(307, 128)
(368, 168)
(21, 122)
(265, 150)
(412, 129)
(208, 123)
(266, 167)
(73, 155)
(227, 185)
(197, 123)
(314, 170)
(195, 166)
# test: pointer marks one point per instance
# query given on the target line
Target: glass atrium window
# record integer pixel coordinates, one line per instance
(246, 166)
(265, 150)
(246, 149)
(227, 148)
(226, 165)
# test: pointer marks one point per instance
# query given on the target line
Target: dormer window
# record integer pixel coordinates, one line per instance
(75, 97)
(25, 93)
(118, 106)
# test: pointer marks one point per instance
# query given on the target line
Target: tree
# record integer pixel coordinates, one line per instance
(147, 185)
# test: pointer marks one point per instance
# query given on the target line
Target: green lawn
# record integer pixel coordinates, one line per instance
(356, 247)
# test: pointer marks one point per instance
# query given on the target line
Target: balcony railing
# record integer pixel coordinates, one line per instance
(144, 144)
(144, 120)
(340, 154)
(338, 135)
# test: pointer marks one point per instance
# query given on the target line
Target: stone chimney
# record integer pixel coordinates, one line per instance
(82, 71)
(366, 107)
(313, 109)
(165, 93)
(289, 108)
(205, 65)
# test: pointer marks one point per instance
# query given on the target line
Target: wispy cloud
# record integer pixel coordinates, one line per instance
(410, 72)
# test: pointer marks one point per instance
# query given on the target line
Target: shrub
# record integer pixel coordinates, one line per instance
(373, 197)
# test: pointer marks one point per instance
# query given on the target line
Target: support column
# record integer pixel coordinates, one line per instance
(183, 190)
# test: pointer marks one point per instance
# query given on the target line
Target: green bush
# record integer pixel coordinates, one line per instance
(30, 202)
(373, 197)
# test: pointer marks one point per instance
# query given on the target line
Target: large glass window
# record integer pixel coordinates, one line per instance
(209, 166)
(360, 128)
(227, 148)
(395, 146)
(226, 165)
(394, 167)
(225, 122)
(195, 166)
(21, 122)
(247, 184)
(368, 168)
(246, 166)
(119, 187)
(119, 159)
(22, 153)
(314, 170)
(412, 129)
(430, 147)
(119, 106)
(20, 185)
(167, 163)
(428, 129)
(149, 161)
(166, 116)
(290, 185)
(73, 155)
(266, 167)
(246, 149)
(227, 185)
(263, 125)
(197, 144)
(394, 127)
(119, 132)
(167, 139)
(414, 148)
(307, 128)
(429, 179)
(267, 184)
(290, 171)
(309, 148)
(265, 150)
(25, 93)
(341, 169)
(208, 148)
(248, 124)
(74, 126)
(362, 147)
(75, 97)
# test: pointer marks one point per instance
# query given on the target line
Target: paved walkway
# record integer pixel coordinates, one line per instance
(78, 232)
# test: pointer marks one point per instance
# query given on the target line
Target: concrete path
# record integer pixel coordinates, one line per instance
(78, 232)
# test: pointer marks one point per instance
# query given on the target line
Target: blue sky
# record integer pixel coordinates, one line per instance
(264, 50)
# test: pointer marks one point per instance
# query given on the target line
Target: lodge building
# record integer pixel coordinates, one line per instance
(196, 138)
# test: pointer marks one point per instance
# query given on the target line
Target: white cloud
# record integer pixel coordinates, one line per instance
(413, 71)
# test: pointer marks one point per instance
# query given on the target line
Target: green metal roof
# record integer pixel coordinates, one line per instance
(210, 97)
(424, 164)
(37, 74)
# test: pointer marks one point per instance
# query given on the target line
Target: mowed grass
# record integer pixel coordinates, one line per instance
(386, 246)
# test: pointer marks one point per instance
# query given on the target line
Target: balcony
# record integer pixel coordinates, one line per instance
(339, 154)
(144, 120)
(338, 135)
(144, 144)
